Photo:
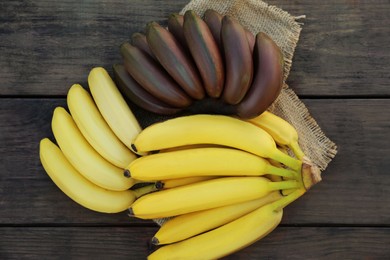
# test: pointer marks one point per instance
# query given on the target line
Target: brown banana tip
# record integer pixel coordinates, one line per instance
(151, 24)
(115, 66)
(154, 241)
(127, 173)
(134, 148)
(122, 47)
(174, 15)
(190, 12)
(159, 185)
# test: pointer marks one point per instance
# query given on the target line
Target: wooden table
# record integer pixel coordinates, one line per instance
(340, 70)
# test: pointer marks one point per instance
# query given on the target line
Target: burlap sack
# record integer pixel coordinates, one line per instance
(284, 29)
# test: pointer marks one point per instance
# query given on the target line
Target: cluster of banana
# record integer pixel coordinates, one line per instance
(214, 60)
(218, 183)
(93, 146)
(223, 181)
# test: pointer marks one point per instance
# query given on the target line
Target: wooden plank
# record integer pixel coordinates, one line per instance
(342, 51)
(356, 182)
(355, 185)
(46, 46)
(131, 243)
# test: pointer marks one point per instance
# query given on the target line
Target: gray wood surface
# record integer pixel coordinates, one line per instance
(132, 243)
(340, 70)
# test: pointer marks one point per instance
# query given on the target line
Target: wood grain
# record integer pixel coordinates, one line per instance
(46, 46)
(354, 186)
(132, 243)
(344, 48)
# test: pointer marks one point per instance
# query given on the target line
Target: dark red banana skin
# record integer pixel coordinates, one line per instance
(139, 40)
(173, 58)
(268, 78)
(238, 60)
(152, 77)
(139, 96)
(175, 26)
(205, 52)
(251, 39)
(213, 19)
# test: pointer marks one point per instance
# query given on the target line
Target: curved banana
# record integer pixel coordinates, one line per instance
(82, 155)
(188, 225)
(205, 52)
(230, 237)
(173, 183)
(213, 19)
(205, 195)
(152, 77)
(138, 95)
(281, 131)
(175, 26)
(211, 129)
(268, 78)
(203, 162)
(139, 40)
(113, 106)
(78, 188)
(95, 129)
(173, 58)
(238, 60)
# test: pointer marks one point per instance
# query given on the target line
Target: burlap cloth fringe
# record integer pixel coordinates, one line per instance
(258, 16)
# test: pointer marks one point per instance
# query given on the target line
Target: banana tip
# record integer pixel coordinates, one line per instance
(127, 173)
(154, 241)
(159, 185)
(134, 148)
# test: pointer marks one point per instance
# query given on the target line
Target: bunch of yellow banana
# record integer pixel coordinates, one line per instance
(215, 175)
(93, 146)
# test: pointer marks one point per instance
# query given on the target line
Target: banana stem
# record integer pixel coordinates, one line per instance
(294, 146)
(284, 185)
(287, 192)
(283, 172)
(144, 190)
(283, 202)
(287, 160)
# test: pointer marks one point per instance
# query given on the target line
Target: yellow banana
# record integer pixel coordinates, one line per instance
(172, 183)
(203, 162)
(194, 223)
(112, 106)
(95, 129)
(205, 195)
(78, 188)
(83, 157)
(230, 237)
(191, 146)
(282, 131)
(211, 129)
